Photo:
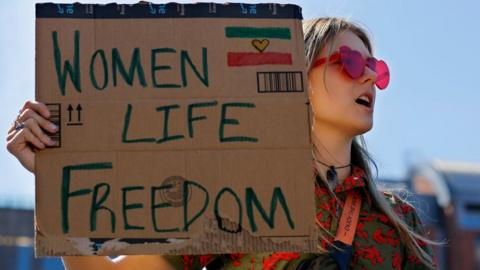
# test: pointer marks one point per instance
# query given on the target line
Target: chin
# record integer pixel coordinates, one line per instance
(362, 128)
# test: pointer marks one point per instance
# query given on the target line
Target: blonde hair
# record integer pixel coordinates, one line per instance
(318, 33)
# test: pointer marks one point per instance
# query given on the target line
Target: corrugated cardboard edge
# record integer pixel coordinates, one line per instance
(213, 239)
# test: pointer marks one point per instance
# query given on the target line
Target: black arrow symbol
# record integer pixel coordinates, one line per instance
(79, 110)
(70, 109)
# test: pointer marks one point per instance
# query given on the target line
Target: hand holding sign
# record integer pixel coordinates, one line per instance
(28, 133)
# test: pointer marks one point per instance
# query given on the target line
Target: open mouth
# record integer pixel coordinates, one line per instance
(363, 102)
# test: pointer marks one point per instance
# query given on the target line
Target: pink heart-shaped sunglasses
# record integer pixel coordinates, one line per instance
(354, 65)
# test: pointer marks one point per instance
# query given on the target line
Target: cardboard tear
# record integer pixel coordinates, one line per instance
(216, 240)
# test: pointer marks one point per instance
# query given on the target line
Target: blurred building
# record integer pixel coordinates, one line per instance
(16, 239)
(448, 199)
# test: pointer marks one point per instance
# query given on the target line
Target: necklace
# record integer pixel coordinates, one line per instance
(332, 176)
(332, 173)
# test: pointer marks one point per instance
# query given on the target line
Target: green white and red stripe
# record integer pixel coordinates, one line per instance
(237, 59)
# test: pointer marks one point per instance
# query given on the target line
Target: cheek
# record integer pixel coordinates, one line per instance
(338, 81)
(332, 100)
(326, 106)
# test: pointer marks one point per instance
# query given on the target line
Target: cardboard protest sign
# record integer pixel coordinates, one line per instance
(184, 129)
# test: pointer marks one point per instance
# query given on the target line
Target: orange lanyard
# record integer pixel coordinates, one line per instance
(346, 230)
(349, 219)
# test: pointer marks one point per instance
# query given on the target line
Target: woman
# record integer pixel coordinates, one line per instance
(342, 79)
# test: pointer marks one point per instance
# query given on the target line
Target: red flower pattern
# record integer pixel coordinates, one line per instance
(236, 258)
(371, 253)
(397, 261)
(413, 258)
(187, 262)
(270, 262)
(360, 233)
(205, 259)
(389, 238)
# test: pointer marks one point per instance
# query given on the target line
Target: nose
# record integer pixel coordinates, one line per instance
(368, 75)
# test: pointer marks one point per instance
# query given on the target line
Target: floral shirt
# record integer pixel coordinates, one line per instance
(376, 245)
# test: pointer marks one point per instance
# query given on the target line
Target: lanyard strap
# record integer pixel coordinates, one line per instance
(349, 219)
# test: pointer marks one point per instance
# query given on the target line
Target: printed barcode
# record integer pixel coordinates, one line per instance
(268, 82)
(55, 117)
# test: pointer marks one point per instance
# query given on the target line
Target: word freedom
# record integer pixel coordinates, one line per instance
(100, 201)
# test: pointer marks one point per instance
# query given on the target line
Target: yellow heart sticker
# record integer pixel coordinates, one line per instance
(260, 45)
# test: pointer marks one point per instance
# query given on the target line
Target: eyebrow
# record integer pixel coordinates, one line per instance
(368, 55)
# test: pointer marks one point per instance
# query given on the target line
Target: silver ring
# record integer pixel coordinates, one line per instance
(19, 125)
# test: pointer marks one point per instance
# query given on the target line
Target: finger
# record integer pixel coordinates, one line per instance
(45, 124)
(25, 135)
(38, 107)
(12, 128)
(12, 131)
(32, 124)
(11, 134)
(31, 138)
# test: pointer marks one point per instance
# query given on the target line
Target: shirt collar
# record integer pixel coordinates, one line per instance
(355, 180)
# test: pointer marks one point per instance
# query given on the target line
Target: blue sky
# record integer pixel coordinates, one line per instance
(429, 111)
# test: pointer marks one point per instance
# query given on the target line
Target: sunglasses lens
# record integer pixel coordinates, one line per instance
(383, 75)
(372, 63)
(353, 63)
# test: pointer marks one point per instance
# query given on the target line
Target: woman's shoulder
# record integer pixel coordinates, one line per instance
(409, 214)
(402, 207)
